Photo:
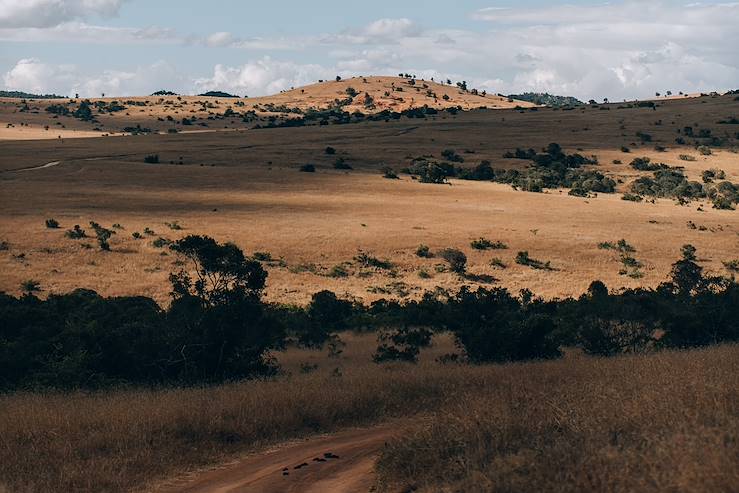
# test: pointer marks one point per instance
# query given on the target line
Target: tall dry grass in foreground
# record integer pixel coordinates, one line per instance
(667, 406)
(665, 422)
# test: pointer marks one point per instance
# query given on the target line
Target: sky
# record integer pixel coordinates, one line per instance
(590, 50)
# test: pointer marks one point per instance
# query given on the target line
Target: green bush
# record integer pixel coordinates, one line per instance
(52, 223)
(485, 244)
(75, 233)
(364, 259)
(30, 286)
(498, 263)
(389, 173)
(262, 256)
(522, 258)
(456, 259)
(161, 242)
(423, 251)
(102, 234)
(632, 197)
(338, 271)
(341, 163)
(451, 155)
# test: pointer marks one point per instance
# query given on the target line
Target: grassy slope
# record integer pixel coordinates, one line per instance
(669, 418)
(385, 93)
(666, 422)
(244, 187)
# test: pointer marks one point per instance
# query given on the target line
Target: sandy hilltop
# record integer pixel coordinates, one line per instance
(35, 119)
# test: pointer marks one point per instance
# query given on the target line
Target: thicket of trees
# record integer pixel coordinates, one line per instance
(217, 327)
(551, 168)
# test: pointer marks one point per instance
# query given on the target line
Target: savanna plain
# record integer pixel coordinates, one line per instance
(410, 227)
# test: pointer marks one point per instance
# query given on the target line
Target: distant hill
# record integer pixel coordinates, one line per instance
(28, 95)
(546, 99)
(218, 94)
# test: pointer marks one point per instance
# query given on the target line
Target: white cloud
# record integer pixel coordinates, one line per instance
(617, 50)
(50, 13)
(219, 39)
(391, 28)
(260, 77)
(36, 76)
(80, 32)
(32, 75)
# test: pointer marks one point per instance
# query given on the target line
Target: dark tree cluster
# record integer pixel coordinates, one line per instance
(551, 168)
(217, 328)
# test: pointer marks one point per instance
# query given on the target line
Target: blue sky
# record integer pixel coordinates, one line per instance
(619, 50)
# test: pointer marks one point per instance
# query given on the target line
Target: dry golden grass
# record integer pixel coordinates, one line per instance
(673, 406)
(32, 124)
(250, 192)
(666, 422)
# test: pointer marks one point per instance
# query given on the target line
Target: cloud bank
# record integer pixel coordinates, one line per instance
(620, 50)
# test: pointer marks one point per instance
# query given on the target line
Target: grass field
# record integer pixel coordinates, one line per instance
(245, 187)
(649, 422)
(661, 422)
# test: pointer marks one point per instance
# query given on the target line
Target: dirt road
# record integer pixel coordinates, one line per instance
(341, 462)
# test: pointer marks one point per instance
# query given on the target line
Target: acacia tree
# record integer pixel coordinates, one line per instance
(217, 323)
(220, 271)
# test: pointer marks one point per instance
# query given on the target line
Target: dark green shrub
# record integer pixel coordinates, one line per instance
(30, 286)
(262, 256)
(151, 159)
(710, 174)
(52, 223)
(722, 203)
(402, 344)
(522, 258)
(75, 233)
(485, 244)
(646, 164)
(161, 242)
(456, 259)
(307, 168)
(389, 173)
(102, 234)
(366, 260)
(610, 337)
(326, 315)
(451, 155)
(498, 263)
(340, 163)
(423, 251)
(338, 271)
